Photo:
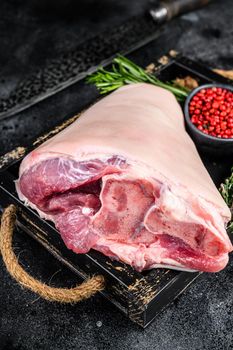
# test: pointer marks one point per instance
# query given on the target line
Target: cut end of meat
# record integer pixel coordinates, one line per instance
(104, 205)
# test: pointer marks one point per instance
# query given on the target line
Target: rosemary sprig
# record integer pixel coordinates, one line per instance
(230, 227)
(226, 190)
(126, 72)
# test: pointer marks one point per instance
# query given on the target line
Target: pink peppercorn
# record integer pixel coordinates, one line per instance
(211, 111)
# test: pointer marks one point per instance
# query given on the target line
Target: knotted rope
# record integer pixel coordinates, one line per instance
(62, 295)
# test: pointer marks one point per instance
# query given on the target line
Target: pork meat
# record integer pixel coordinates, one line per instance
(126, 179)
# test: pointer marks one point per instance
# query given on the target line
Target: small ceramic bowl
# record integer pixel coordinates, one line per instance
(206, 143)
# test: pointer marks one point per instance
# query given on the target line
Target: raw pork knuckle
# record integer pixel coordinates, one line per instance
(126, 179)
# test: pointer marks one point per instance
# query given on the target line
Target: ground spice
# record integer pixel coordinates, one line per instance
(211, 111)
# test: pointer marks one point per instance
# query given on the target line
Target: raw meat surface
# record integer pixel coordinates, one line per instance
(126, 179)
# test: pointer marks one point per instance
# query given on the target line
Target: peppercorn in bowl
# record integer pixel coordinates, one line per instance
(208, 114)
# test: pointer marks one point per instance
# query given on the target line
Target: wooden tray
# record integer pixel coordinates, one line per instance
(141, 296)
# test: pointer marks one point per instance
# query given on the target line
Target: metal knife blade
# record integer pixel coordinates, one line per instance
(99, 50)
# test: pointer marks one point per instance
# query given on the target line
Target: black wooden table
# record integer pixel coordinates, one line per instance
(199, 319)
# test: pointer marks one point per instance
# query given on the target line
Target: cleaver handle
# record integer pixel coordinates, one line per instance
(168, 9)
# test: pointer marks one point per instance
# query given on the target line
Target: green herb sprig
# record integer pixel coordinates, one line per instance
(226, 190)
(230, 227)
(126, 72)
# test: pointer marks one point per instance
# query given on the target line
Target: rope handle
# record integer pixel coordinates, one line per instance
(62, 295)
